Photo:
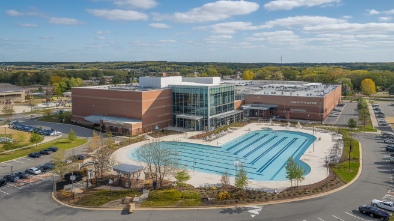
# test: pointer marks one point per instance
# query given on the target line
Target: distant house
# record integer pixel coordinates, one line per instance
(10, 93)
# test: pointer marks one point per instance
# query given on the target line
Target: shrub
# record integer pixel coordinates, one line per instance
(164, 195)
(223, 195)
(191, 194)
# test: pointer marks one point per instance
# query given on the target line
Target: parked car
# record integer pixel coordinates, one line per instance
(387, 205)
(47, 167)
(3, 181)
(389, 140)
(378, 112)
(341, 104)
(333, 114)
(53, 148)
(11, 178)
(382, 123)
(374, 212)
(390, 149)
(34, 155)
(45, 152)
(56, 133)
(337, 109)
(380, 115)
(33, 170)
(22, 175)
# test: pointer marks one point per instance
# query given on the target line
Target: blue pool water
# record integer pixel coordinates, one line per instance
(263, 154)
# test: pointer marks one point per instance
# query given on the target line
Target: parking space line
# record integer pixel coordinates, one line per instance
(6, 163)
(17, 161)
(320, 219)
(338, 218)
(3, 192)
(354, 216)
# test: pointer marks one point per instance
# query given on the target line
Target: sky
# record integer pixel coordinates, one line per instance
(250, 31)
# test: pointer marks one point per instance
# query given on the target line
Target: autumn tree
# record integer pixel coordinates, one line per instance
(96, 142)
(248, 75)
(225, 180)
(103, 160)
(8, 109)
(159, 159)
(347, 85)
(61, 167)
(368, 87)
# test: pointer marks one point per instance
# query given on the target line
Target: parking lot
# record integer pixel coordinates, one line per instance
(348, 111)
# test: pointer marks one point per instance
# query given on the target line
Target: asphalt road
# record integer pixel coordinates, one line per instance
(348, 111)
(34, 202)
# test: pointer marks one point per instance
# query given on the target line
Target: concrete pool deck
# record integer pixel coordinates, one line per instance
(314, 156)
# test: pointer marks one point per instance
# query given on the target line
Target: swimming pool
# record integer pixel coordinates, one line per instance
(263, 154)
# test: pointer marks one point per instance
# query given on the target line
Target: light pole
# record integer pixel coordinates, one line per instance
(350, 150)
(237, 163)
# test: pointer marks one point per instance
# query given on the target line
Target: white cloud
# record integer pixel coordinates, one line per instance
(385, 18)
(159, 25)
(14, 13)
(211, 12)
(167, 41)
(352, 28)
(127, 15)
(51, 20)
(28, 25)
(103, 32)
(375, 12)
(64, 21)
(290, 4)
(220, 37)
(101, 38)
(347, 17)
(278, 37)
(228, 27)
(144, 4)
(304, 21)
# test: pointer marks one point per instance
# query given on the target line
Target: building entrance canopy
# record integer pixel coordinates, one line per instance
(127, 168)
(227, 114)
(258, 107)
(96, 119)
(189, 117)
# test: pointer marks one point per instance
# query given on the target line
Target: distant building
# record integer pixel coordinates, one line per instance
(11, 94)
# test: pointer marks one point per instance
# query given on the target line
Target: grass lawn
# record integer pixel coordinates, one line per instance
(101, 197)
(61, 143)
(171, 198)
(342, 169)
(22, 137)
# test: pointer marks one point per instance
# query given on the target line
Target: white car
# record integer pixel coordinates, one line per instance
(33, 170)
(389, 141)
(56, 133)
(333, 114)
(387, 205)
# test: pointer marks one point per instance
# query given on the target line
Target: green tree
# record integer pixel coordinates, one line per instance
(347, 85)
(71, 136)
(241, 178)
(364, 114)
(290, 170)
(352, 123)
(299, 174)
(225, 180)
(368, 87)
(36, 138)
(181, 178)
(8, 109)
(61, 166)
(391, 89)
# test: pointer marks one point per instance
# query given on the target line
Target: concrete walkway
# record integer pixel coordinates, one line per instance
(314, 156)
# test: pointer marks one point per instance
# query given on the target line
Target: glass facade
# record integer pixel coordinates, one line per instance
(194, 106)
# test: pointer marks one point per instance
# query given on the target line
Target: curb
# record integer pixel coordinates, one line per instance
(230, 206)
